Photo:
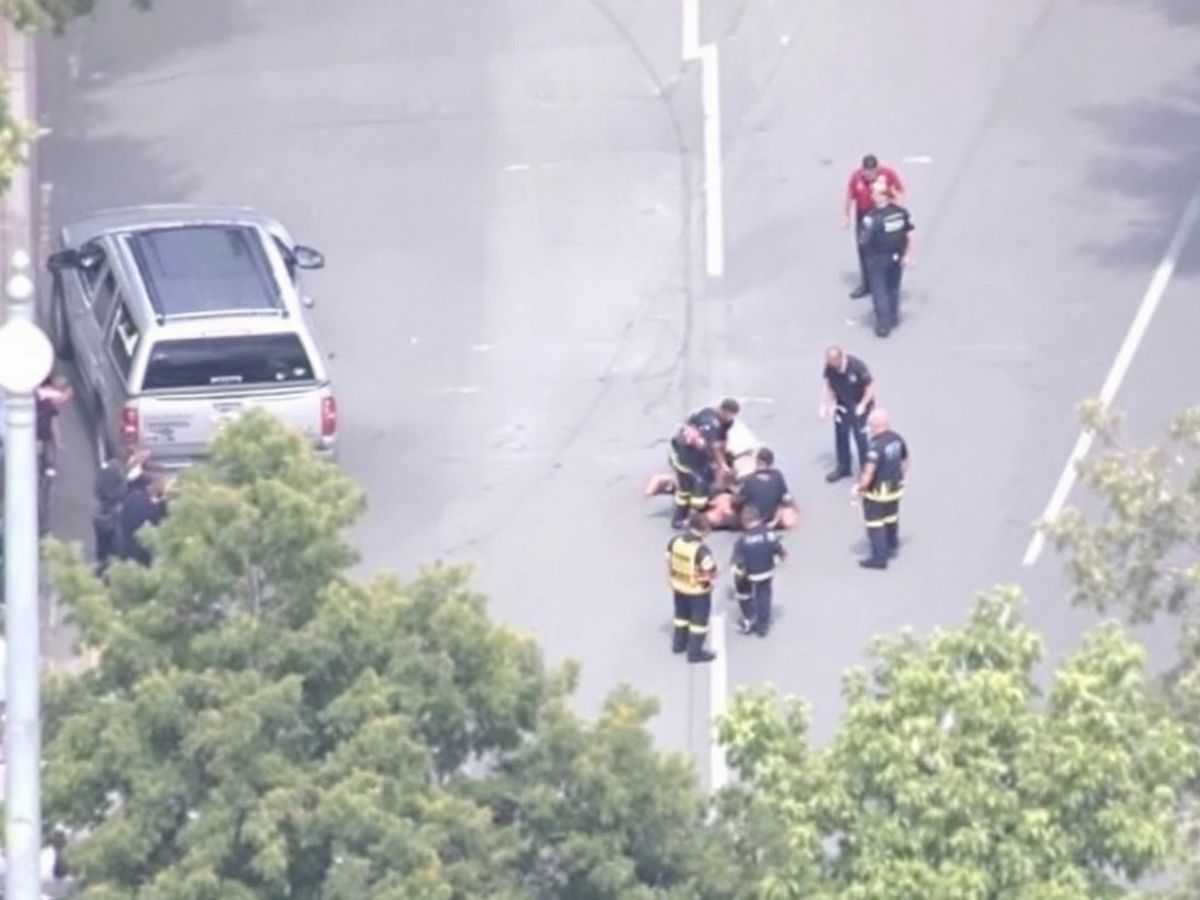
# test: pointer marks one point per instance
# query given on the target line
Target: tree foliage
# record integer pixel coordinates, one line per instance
(952, 778)
(261, 725)
(1139, 554)
(29, 14)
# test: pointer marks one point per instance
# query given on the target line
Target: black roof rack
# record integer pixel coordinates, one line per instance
(202, 270)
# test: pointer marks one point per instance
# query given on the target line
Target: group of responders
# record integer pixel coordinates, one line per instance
(718, 482)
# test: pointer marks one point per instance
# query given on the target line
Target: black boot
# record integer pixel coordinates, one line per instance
(696, 651)
(837, 475)
(679, 640)
(746, 623)
(680, 518)
(859, 292)
(879, 549)
(893, 538)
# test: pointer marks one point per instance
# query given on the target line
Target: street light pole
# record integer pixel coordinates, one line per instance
(26, 358)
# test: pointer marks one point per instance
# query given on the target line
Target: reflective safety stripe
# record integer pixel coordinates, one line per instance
(740, 596)
(685, 565)
(885, 492)
(682, 623)
(682, 500)
(890, 520)
(698, 502)
(762, 576)
(878, 523)
(698, 629)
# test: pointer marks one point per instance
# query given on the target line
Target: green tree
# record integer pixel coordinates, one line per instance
(951, 779)
(260, 725)
(1139, 553)
(53, 14)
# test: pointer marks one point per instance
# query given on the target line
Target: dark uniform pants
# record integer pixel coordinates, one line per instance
(862, 253)
(107, 534)
(691, 622)
(691, 490)
(883, 280)
(883, 527)
(754, 600)
(846, 425)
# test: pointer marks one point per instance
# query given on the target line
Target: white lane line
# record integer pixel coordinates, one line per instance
(691, 29)
(710, 100)
(1120, 367)
(718, 693)
(919, 160)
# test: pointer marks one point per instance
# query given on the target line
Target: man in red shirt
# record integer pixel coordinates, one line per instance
(860, 202)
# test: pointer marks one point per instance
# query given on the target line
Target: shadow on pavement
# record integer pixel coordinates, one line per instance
(1155, 157)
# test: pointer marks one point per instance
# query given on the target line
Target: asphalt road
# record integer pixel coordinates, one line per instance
(506, 193)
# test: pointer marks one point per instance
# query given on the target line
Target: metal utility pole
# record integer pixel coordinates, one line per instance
(26, 358)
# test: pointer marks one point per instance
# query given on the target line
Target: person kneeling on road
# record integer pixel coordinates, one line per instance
(754, 557)
(692, 569)
(765, 489)
(692, 468)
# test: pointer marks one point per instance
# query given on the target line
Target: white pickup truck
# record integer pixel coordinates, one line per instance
(179, 318)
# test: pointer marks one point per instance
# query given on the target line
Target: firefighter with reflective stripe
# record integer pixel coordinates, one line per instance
(881, 486)
(692, 467)
(755, 555)
(714, 424)
(692, 569)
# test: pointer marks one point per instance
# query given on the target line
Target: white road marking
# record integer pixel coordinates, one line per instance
(480, 348)
(710, 100)
(691, 29)
(458, 390)
(517, 167)
(758, 399)
(919, 160)
(1120, 367)
(718, 693)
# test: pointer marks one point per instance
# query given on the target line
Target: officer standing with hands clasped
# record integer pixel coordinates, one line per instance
(885, 236)
(881, 486)
(692, 569)
(754, 557)
(848, 391)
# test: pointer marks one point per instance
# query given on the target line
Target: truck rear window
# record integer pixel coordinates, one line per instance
(227, 362)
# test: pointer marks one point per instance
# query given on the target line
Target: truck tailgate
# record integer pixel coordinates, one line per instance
(181, 425)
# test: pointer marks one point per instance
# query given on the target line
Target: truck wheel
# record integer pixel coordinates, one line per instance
(60, 337)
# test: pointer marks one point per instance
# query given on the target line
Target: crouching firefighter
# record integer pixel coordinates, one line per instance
(691, 463)
(755, 554)
(692, 569)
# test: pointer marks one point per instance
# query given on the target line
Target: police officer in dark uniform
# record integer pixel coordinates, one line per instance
(692, 569)
(144, 504)
(885, 238)
(848, 391)
(754, 556)
(881, 486)
(765, 489)
(692, 466)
